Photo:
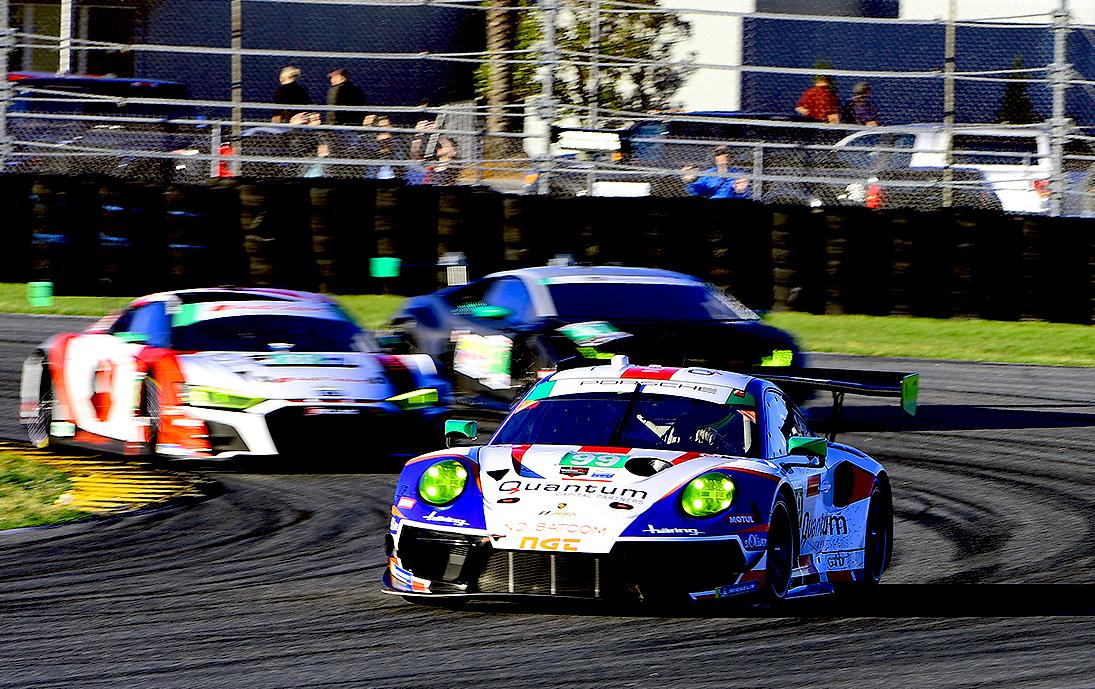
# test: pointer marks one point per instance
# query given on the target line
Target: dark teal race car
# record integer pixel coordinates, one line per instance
(497, 335)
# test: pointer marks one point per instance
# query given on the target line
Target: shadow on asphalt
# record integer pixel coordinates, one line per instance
(886, 601)
(956, 417)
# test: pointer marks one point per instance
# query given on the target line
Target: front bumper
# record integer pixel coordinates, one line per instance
(291, 429)
(432, 562)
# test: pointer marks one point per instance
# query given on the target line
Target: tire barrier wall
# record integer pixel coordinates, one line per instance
(91, 235)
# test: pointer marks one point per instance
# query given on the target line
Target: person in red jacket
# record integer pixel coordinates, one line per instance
(819, 103)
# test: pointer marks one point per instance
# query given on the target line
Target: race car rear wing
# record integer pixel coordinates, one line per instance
(840, 382)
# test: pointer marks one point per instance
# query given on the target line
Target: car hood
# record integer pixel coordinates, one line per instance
(718, 344)
(591, 498)
(354, 376)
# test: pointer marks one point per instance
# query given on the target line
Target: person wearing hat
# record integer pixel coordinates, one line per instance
(344, 92)
(819, 103)
(289, 92)
(861, 109)
(720, 181)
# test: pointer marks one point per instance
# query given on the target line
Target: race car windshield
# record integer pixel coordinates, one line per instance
(637, 419)
(265, 332)
(619, 301)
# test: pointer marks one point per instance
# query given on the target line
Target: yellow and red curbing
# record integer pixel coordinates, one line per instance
(102, 485)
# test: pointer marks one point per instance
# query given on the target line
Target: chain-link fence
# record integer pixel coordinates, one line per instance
(564, 97)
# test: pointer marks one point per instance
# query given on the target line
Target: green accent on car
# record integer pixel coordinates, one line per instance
(594, 353)
(745, 399)
(708, 495)
(490, 312)
(215, 398)
(424, 397)
(188, 314)
(779, 357)
(468, 429)
(443, 482)
(581, 333)
(541, 391)
(596, 460)
(805, 445)
(910, 391)
(132, 337)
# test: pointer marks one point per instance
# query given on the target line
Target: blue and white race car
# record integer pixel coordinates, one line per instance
(655, 484)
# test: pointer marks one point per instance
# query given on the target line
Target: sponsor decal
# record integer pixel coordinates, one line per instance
(298, 359)
(798, 505)
(534, 543)
(330, 411)
(602, 474)
(445, 519)
(740, 518)
(825, 525)
(548, 527)
(836, 560)
(601, 460)
(813, 485)
(614, 492)
(671, 530)
(726, 591)
(573, 471)
(406, 503)
(755, 541)
(329, 392)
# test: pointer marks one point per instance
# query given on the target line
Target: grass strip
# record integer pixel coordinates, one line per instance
(29, 493)
(1059, 344)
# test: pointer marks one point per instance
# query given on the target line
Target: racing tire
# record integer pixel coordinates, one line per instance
(780, 553)
(878, 541)
(38, 428)
(150, 407)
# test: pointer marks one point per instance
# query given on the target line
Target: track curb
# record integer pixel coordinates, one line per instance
(107, 488)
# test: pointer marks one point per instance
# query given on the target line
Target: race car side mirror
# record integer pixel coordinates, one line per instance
(459, 430)
(808, 446)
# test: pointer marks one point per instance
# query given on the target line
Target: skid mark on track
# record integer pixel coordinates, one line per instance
(104, 486)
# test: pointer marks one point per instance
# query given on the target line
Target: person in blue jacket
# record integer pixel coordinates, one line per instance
(720, 181)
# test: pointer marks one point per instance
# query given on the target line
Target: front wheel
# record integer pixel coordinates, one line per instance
(780, 555)
(150, 408)
(38, 426)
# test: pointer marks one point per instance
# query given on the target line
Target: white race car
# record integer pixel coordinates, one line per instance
(218, 373)
(658, 484)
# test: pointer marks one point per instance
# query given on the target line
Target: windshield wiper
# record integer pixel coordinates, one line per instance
(619, 427)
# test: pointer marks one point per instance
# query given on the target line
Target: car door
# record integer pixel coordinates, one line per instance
(101, 374)
(812, 485)
(485, 338)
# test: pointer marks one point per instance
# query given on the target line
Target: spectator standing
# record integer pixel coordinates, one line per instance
(289, 92)
(720, 181)
(819, 102)
(860, 109)
(344, 92)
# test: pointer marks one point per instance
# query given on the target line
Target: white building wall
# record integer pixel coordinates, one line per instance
(1082, 11)
(716, 41)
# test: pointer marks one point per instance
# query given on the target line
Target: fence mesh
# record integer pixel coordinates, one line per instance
(565, 97)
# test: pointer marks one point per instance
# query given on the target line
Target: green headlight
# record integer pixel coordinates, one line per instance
(443, 482)
(707, 495)
(201, 396)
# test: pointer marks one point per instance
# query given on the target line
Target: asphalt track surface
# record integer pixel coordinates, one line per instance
(274, 582)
